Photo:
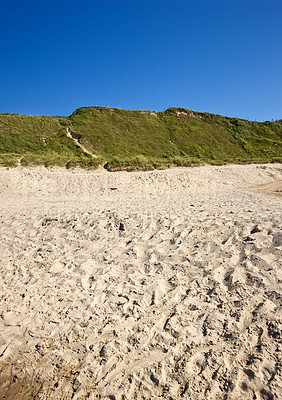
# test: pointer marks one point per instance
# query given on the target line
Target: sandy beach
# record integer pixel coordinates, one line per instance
(143, 285)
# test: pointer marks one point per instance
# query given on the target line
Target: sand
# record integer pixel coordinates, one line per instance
(143, 285)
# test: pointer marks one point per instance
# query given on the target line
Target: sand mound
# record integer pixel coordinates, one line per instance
(273, 188)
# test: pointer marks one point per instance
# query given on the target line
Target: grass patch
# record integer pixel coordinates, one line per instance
(9, 160)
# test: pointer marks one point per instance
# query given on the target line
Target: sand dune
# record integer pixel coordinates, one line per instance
(272, 187)
(144, 285)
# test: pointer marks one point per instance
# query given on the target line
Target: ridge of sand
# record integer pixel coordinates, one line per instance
(144, 285)
(272, 188)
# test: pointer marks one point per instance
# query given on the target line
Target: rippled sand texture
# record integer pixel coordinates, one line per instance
(146, 285)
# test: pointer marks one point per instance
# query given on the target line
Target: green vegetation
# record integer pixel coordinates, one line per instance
(39, 140)
(130, 140)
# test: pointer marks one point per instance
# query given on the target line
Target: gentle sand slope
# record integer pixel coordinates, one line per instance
(146, 285)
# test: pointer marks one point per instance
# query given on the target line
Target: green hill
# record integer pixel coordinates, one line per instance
(125, 139)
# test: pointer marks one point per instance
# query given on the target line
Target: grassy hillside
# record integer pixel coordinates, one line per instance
(38, 140)
(123, 139)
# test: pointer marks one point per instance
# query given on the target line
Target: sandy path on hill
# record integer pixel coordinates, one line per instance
(77, 142)
(144, 285)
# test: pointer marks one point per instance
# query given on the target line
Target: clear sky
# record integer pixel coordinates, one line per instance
(220, 56)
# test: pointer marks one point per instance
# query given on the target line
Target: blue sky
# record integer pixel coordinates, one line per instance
(220, 56)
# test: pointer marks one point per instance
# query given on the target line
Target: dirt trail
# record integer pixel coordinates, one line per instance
(76, 140)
